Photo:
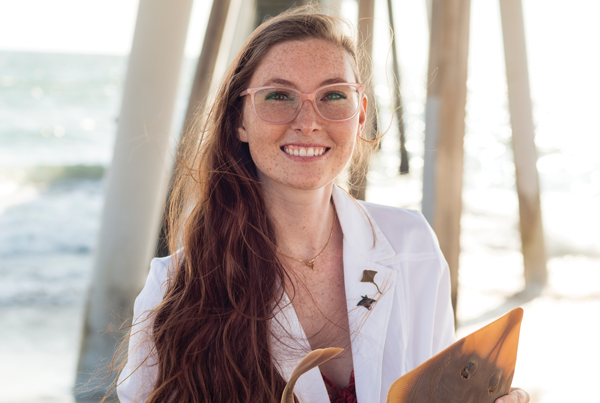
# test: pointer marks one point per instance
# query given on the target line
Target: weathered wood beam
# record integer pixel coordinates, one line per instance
(445, 127)
(525, 153)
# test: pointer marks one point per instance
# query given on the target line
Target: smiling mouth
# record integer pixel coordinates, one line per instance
(304, 151)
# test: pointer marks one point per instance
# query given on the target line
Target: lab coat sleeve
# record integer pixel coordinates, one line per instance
(443, 332)
(137, 379)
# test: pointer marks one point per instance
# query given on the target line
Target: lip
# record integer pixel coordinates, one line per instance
(306, 146)
(303, 145)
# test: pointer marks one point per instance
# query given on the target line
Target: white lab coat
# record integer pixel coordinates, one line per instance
(409, 323)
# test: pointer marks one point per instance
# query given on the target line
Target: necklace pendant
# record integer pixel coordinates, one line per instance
(311, 264)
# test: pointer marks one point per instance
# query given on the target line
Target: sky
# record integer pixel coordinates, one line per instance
(82, 26)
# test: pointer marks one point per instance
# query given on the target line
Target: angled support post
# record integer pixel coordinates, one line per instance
(207, 60)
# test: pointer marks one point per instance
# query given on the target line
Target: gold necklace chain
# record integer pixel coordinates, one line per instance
(311, 263)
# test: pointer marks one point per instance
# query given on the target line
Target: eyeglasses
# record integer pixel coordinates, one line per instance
(336, 102)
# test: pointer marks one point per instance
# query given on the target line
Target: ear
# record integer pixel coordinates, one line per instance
(242, 134)
(362, 115)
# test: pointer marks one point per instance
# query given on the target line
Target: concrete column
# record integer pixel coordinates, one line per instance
(525, 152)
(136, 179)
(445, 127)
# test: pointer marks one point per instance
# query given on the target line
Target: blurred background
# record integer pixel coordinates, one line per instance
(63, 66)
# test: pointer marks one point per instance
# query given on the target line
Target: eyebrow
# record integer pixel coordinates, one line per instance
(287, 83)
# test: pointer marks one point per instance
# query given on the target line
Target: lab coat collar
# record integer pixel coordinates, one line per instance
(365, 248)
(360, 228)
(368, 328)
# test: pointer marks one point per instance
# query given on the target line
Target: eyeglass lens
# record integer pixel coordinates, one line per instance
(280, 104)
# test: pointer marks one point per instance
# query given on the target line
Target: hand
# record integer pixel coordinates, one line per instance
(516, 395)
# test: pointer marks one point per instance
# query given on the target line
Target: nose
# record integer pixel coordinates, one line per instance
(308, 120)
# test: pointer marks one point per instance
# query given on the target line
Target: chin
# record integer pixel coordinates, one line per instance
(310, 185)
(296, 180)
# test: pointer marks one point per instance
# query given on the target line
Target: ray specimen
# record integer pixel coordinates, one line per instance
(478, 368)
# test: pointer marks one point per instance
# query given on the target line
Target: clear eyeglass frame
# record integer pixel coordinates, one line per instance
(305, 97)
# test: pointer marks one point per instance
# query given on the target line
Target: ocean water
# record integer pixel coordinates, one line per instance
(58, 117)
(57, 123)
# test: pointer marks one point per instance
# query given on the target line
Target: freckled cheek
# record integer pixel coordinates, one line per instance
(261, 133)
(345, 138)
(345, 144)
(263, 147)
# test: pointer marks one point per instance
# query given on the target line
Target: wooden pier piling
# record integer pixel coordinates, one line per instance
(398, 106)
(360, 167)
(445, 127)
(525, 152)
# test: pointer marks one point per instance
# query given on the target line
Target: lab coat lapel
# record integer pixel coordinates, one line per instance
(368, 328)
(288, 347)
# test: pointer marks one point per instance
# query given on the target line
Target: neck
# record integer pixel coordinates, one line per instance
(302, 218)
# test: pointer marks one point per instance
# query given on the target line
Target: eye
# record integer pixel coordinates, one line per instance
(277, 96)
(493, 383)
(468, 370)
(333, 96)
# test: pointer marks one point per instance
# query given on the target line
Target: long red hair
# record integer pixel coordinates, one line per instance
(211, 331)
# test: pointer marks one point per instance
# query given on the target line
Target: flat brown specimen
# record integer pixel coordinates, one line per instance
(476, 369)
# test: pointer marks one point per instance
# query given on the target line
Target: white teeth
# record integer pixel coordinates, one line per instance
(304, 152)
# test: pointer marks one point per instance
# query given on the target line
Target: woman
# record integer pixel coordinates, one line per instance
(272, 253)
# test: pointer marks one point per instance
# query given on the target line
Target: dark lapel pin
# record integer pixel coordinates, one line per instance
(366, 302)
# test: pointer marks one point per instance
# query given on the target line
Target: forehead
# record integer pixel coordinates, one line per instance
(305, 63)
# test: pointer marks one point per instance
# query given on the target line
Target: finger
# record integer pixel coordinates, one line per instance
(516, 395)
(522, 396)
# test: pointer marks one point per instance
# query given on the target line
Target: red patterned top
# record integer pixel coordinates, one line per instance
(345, 395)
